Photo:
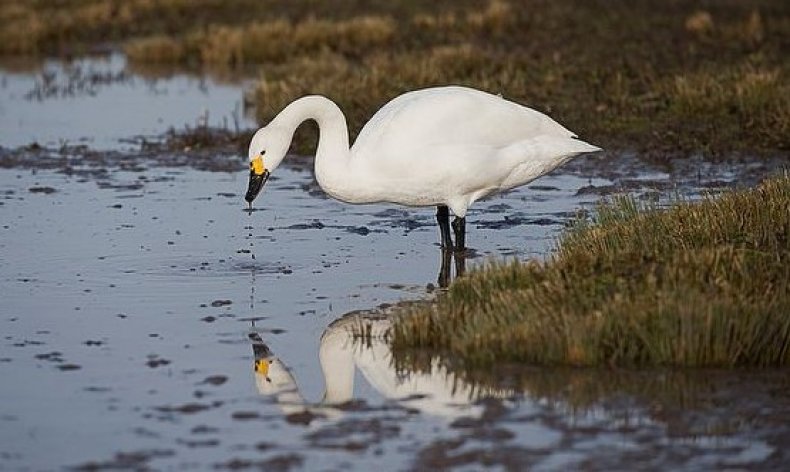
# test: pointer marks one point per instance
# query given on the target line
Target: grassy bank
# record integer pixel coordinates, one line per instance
(700, 284)
(661, 77)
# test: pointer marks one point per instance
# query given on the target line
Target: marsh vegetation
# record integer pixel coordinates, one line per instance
(700, 284)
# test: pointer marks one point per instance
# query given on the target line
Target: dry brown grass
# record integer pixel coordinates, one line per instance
(274, 41)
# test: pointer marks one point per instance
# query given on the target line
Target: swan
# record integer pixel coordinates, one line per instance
(443, 146)
(435, 390)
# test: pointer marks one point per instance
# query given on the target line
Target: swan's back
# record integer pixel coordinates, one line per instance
(451, 115)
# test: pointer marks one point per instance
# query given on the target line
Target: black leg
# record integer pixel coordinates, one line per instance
(459, 227)
(443, 217)
(444, 270)
(460, 264)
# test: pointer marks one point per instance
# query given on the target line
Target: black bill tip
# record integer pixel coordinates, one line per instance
(255, 185)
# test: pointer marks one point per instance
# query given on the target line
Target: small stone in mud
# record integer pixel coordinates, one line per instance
(186, 409)
(545, 222)
(66, 367)
(361, 230)
(314, 225)
(289, 461)
(264, 446)
(254, 318)
(215, 380)
(219, 303)
(593, 190)
(304, 418)
(156, 362)
(53, 356)
(93, 343)
(203, 429)
(208, 319)
(44, 190)
(543, 188)
(245, 415)
(205, 443)
(498, 208)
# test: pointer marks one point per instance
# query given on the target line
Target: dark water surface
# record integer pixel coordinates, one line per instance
(136, 295)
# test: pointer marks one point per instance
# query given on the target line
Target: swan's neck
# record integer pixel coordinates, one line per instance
(337, 365)
(332, 160)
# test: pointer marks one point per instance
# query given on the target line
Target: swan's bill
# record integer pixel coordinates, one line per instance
(258, 176)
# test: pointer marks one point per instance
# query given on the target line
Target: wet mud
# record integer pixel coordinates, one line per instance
(149, 322)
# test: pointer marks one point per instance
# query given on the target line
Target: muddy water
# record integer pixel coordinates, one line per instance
(136, 299)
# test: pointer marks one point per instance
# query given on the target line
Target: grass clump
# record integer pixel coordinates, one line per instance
(232, 46)
(699, 284)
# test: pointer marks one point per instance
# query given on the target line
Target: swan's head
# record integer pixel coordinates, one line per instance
(267, 149)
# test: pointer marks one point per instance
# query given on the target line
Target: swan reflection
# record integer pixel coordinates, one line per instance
(706, 413)
(445, 273)
(359, 342)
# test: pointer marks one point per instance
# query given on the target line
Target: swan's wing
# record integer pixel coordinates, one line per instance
(449, 116)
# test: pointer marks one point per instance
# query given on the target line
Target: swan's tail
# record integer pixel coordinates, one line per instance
(548, 149)
(564, 146)
(537, 156)
(586, 147)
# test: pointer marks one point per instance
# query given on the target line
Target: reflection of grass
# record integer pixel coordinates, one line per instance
(678, 398)
(656, 75)
(701, 284)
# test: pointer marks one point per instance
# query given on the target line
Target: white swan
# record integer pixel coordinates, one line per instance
(434, 391)
(445, 147)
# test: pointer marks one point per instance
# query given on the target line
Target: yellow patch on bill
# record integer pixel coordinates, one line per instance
(256, 165)
(262, 366)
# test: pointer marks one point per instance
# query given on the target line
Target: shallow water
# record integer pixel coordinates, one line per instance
(99, 102)
(135, 301)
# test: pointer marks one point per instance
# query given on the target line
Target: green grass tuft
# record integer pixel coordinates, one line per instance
(699, 284)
